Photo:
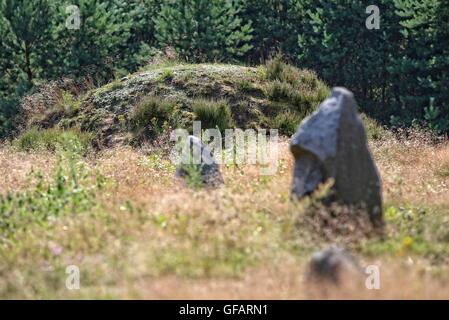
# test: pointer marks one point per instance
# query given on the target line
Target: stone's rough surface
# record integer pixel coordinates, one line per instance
(197, 155)
(332, 265)
(331, 143)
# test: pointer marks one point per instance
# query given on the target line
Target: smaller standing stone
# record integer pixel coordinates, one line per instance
(197, 158)
(333, 264)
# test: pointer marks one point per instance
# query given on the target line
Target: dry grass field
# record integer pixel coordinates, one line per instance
(135, 232)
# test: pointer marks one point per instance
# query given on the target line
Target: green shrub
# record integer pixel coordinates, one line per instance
(279, 70)
(193, 177)
(244, 85)
(151, 116)
(373, 130)
(68, 104)
(275, 68)
(213, 114)
(301, 89)
(279, 91)
(53, 139)
(435, 119)
(286, 122)
(166, 75)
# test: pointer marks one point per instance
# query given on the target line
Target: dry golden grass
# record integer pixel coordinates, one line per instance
(287, 282)
(15, 168)
(149, 237)
(414, 170)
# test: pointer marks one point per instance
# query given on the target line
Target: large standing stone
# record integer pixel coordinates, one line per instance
(197, 157)
(331, 143)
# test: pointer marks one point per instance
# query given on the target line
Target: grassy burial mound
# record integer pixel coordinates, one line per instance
(147, 104)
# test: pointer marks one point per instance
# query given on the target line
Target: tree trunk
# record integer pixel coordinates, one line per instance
(28, 70)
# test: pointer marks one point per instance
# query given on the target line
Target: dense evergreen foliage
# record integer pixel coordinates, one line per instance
(203, 30)
(400, 72)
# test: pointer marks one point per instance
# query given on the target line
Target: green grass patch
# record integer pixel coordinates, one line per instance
(53, 139)
(300, 88)
(412, 230)
(245, 85)
(68, 103)
(117, 84)
(286, 122)
(193, 175)
(279, 91)
(166, 75)
(373, 130)
(72, 190)
(213, 114)
(152, 116)
(212, 247)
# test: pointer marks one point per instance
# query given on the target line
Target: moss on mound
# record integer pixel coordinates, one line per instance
(257, 98)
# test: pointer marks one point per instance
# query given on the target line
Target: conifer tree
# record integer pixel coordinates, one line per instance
(276, 24)
(203, 30)
(337, 44)
(95, 47)
(25, 28)
(422, 71)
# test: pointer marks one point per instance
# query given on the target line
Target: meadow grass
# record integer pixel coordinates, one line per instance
(143, 235)
(52, 140)
(151, 116)
(213, 114)
(300, 88)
